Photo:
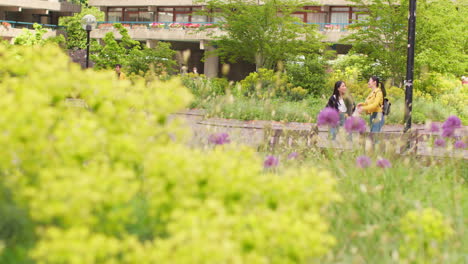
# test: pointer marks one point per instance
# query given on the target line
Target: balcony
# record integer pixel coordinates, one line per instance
(168, 31)
(52, 5)
(174, 31)
(11, 29)
(184, 2)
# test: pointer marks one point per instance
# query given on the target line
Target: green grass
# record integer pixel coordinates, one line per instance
(366, 223)
(244, 108)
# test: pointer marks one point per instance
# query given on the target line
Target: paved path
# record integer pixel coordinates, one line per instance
(252, 132)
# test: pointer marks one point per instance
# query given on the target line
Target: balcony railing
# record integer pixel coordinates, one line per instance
(332, 27)
(16, 24)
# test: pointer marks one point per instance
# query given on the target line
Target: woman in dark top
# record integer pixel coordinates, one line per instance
(337, 101)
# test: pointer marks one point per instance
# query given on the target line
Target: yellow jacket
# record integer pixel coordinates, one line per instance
(121, 76)
(373, 102)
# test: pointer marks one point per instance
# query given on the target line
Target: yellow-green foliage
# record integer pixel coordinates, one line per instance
(264, 84)
(394, 93)
(298, 93)
(350, 76)
(436, 84)
(458, 99)
(113, 182)
(423, 232)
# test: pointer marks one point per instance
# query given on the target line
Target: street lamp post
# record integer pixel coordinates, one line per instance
(88, 22)
(410, 64)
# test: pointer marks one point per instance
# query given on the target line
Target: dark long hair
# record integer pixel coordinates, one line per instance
(336, 93)
(382, 86)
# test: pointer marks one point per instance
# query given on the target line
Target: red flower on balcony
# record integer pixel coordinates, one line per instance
(6, 25)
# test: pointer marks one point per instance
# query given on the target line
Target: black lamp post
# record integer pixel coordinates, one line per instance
(88, 22)
(410, 64)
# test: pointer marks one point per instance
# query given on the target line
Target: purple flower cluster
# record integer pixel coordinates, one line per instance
(384, 163)
(329, 117)
(355, 124)
(293, 155)
(434, 128)
(270, 162)
(440, 142)
(364, 162)
(219, 138)
(459, 144)
(449, 126)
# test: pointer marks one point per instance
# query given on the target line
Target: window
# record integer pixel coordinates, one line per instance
(198, 18)
(315, 14)
(316, 18)
(358, 14)
(114, 14)
(179, 14)
(165, 16)
(128, 14)
(300, 15)
(340, 14)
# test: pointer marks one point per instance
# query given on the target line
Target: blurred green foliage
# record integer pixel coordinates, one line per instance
(94, 171)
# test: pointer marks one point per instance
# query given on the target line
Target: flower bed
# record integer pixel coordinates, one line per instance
(334, 28)
(176, 25)
(139, 26)
(192, 26)
(6, 25)
(156, 25)
(106, 26)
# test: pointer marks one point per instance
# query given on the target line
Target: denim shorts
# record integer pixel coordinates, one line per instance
(376, 122)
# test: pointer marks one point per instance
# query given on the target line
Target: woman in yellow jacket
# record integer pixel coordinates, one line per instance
(373, 104)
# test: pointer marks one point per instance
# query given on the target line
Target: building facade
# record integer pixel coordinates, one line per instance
(174, 20)
(18, 14)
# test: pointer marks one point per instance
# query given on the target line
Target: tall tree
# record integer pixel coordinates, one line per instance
(76, 35)
(262, 34)
(441, 41)
(441, 35)
(382, 35)
(136, 58)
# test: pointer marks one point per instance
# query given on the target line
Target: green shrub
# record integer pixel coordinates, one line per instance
(112, 181)
(363, 65)
(309, 74)
(297, 93)
(265, 83)
(423, 233)
(436, 84)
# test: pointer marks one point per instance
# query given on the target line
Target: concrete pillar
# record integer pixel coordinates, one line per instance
(211, 63)
(151, 43)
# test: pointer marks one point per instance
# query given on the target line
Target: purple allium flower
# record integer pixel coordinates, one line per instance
(363, 162)
(452, 122)
(440, 142)
(329, 117)
(384, 163)
(270, 161)
(293, 155)
(219, 138)
(448, 132)
(355, 124)
(434, 128)
(459, 144)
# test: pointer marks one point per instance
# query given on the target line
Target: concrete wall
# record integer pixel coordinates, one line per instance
(183, 2)
(41, 4)
(142, 3)
(144, 34)
(158, 34)
(14, 32)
